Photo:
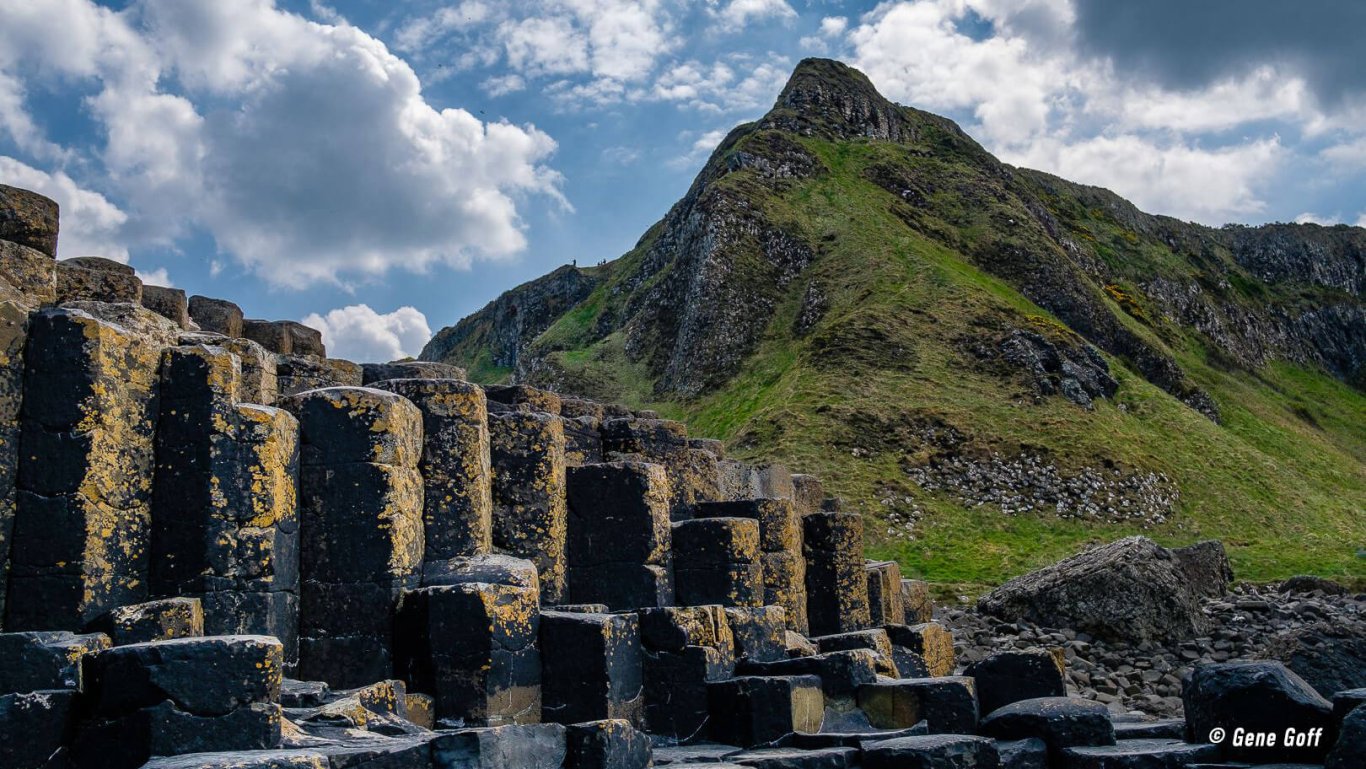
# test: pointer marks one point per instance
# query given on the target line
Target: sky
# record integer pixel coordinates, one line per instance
(380, 170)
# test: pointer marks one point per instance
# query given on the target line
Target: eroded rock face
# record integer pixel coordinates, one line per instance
(28, 219)
(1132, 589)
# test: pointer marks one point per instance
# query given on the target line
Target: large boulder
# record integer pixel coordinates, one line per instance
(1331, 657)
(1131, 590)
(1226, 702)
(1061, 722)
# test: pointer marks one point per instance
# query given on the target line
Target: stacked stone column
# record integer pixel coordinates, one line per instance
(225, 525)
(471, 641)
(85, 472)
(457, 508)
(836, 582)
(780, 542)
(692, 471)
(717, 561)
(619, 540)
(529, 511)
(360, 525)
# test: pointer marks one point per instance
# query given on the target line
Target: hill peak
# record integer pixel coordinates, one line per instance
(824, 97)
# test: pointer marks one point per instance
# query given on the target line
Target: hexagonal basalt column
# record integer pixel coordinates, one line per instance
(361, 528)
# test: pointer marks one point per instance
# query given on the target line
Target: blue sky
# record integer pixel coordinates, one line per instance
(382, 169)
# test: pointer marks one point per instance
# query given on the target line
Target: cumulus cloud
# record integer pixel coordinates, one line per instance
(359, 333)
(157, 277)
(736, 14)
(1188, 46)
(237, 148)
(1213, 186)
(1040, 98)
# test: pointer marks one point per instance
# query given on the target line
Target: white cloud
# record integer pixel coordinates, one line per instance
(359, 333)
(157, 277)
(1180, 180)
(1036, 101)
(236, 149)
(701, 147)
(738, 13)
(90, 224)
(1361, 220)
(833, 26)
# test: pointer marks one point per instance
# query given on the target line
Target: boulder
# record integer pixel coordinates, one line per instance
(1255, 697)
(1305, 583)
(1061, 722)
(1331, 658)
(1350, 748)
(1130, 590)
(216, 315)
(28, 219)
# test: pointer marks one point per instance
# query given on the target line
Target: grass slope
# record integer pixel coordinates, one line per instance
(1282, 481)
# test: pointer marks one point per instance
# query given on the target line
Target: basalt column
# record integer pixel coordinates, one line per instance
(13, 335)
(457, 508)
(225, 525)
(619, 535)
(780, 540)
(836, 582)
(360, 510)
(85, 471)
(529, 512)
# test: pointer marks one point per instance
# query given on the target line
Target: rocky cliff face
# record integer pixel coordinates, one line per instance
(863, 290)
(694, 297)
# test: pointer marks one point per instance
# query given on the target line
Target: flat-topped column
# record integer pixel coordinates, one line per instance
(619, 544)
(85, 471)
(529, 512)
(836, 583)
(457, 478)
(225, 525)
(360, 502)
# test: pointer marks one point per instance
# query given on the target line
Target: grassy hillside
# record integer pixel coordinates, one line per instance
(890, 376)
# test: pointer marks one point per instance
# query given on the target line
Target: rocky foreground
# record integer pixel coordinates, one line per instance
(223, 550)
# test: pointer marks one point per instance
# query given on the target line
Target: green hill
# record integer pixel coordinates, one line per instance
(995, 364)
